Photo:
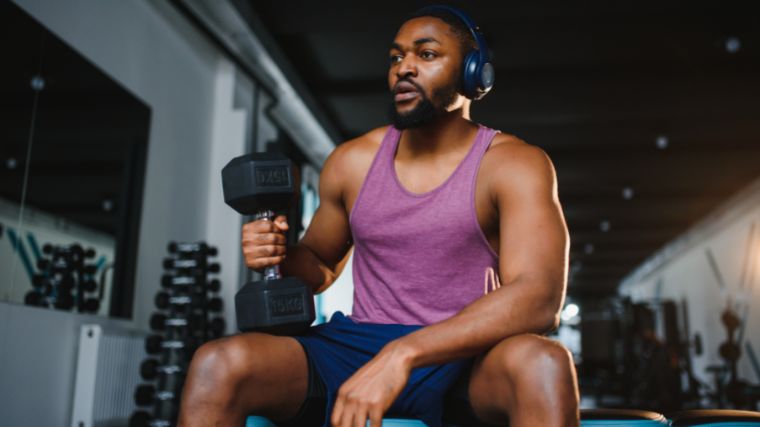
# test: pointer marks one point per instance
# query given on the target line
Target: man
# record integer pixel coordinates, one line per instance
(432, 206)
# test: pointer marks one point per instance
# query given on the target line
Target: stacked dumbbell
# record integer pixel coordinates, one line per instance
(189, 314)
(65, 279)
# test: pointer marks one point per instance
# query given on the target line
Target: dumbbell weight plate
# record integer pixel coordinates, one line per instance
(280, 306)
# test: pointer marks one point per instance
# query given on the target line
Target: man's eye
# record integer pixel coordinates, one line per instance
(428, 54)
(395, 59)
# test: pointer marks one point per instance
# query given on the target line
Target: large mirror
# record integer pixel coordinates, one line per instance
(73, 144)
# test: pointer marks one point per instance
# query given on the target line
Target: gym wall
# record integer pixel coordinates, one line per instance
(681, 271)
(203, 113)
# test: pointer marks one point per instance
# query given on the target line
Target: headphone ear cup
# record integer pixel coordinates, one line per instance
(471, 77)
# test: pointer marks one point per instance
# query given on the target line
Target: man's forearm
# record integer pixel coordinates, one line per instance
(302, 263)
(514, 309)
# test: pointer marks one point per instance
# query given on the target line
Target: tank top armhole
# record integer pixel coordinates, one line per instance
(473, 205)
(391, 131)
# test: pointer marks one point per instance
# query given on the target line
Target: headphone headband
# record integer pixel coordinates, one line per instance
(471, 25)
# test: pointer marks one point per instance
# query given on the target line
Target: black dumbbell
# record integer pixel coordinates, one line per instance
(144, 419)
(216, 327)
(190, 264)
(60, 265)
(147, 394)
(262, 184)
(159, 322)
(163, 300)
(64, 281)
(150, 369)
(170, 280)
(214, 285)
(35, 299)
(42, 284)
(89, 305)
(192, 248)
(64, 300)
(215, 305)
(89, 285)
(154, 344)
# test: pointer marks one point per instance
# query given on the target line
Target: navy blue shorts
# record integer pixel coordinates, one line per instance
(336, 349)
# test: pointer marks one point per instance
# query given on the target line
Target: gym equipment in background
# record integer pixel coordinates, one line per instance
(189, 309)
(262, 184)
(730, 390)
(66, 280)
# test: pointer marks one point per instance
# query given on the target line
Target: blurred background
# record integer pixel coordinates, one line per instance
(117, 118)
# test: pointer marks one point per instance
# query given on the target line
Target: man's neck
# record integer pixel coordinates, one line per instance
(448, 132)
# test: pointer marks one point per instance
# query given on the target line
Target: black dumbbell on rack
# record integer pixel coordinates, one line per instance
(190, 264)
(164, 300)
(155, 344)
(216, 327)
(150, 369)
(146, 394)
(192, 248)
(145, 419)
(160, 322)
(65, 279)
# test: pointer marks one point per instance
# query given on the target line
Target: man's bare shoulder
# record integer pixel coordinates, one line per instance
(510, 160)
(350, 161)
(355, 155)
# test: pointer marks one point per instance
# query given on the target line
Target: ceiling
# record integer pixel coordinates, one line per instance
(654, 96)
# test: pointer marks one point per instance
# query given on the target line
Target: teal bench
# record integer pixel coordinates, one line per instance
(715, 418)
(622, 418)
(387, 422)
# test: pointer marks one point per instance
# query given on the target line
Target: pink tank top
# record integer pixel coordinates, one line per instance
(418, 258)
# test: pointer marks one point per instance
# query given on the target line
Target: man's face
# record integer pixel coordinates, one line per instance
(425, 66)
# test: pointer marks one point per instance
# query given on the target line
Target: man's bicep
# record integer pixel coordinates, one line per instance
(533, 235)
(328, 235)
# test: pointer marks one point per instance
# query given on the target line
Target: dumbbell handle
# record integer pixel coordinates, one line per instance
(271, 272)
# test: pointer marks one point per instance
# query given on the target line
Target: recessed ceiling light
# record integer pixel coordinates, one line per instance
(588, 249)
(627, 193)
(11, 163)
(733, 44)
(662, 142)
(107, 205)
(38, 83)
(605, 226)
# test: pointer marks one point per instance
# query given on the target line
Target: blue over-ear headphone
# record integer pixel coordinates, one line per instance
(478, 73)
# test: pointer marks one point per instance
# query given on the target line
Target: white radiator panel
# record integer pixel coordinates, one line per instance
(108, 367)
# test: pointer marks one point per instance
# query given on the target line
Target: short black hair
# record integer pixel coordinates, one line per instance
(466, 40)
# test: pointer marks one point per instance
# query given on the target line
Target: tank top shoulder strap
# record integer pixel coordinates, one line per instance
(378, 169)
(471, 163)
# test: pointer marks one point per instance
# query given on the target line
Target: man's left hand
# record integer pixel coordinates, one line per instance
(371, 391)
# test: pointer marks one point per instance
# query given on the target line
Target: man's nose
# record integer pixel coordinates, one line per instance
(407, 67)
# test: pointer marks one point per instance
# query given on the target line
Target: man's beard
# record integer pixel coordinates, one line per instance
(426, 109)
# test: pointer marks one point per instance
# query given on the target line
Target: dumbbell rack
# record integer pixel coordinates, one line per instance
(65, 280)
(182, 323)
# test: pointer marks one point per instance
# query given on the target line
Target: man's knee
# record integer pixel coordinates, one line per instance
(224, 361)
(531, 357)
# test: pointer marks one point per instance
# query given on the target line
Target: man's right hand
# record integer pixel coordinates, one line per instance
(264, 243)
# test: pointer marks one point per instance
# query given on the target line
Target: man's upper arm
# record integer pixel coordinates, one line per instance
(328, 235)
(533, 235)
